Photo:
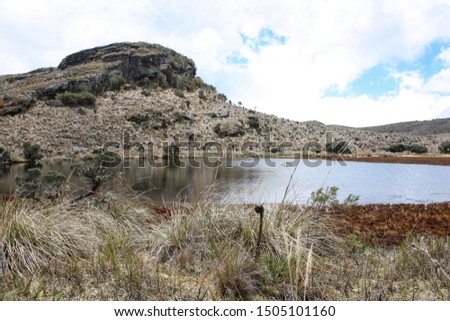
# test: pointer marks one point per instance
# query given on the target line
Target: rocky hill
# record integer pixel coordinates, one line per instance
(150, 93)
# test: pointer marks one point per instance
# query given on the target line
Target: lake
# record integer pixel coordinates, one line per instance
(266, 180)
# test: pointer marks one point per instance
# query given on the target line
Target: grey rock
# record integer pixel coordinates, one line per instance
(81, 111)
(135, 60)
(189, 117)
(223, 114)
(54, 103)
(77, 149)
(145, 93)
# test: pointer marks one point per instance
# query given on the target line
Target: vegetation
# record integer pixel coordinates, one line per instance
(338, 147)
(417, 149)
(5, 157)
(96, 171)
(414, 148)
(34, 184)
(83, 98)
(328, 198)
(115, 80)
(396, 148)
(32, 152)
(445, 147)
(121, 249)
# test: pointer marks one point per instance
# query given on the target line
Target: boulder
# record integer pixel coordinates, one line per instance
(223, 114)
(54, 103)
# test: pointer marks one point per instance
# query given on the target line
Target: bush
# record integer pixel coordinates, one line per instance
(95, 171)
(83, 98)
(4, 156)
(338, 147)
(417, 149)
(328, 197)
(34, 184)
(396, 148)
(115, 80)
(444, 148)
(31, 152)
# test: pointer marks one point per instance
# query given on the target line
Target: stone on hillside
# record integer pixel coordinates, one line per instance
(81, 111)
(54, 103)
(223, 114)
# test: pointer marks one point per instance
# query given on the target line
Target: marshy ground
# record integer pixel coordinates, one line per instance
(118, 247)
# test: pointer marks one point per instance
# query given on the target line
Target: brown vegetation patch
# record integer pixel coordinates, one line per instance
(443, 161)
(391, 224)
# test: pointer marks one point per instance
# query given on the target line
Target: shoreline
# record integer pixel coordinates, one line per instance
(387, 159)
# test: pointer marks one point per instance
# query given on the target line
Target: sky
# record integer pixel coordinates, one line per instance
(352, 62)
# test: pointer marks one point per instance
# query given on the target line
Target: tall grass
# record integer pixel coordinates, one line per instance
(125, 249)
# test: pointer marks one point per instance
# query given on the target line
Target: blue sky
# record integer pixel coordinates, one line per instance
(356, 63)
(381, 80)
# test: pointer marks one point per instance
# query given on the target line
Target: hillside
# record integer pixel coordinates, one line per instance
(433, 127)
(151, 94)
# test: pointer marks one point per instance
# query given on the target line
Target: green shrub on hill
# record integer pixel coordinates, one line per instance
(338, 147)
(4, 156)
(83, 98)
(417, 149)
(31, 152)
(396, 148)
(444, 148)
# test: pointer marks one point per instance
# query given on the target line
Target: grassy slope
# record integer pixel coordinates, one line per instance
(59, 129)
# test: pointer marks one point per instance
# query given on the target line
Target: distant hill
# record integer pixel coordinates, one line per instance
(435, 126)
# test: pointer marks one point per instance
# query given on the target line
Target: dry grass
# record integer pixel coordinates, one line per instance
(123, 249)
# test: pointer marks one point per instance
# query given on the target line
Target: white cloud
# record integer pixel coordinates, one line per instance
(329, 43)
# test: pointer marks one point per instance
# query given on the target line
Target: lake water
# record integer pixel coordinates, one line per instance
(246, 181)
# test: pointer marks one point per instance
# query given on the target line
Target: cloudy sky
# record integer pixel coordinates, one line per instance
(358, 63)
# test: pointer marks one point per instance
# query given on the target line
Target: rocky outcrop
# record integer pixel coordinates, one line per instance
(135, 60)
(95, 70)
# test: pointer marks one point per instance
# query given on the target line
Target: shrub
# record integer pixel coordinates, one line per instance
(338, 147)
(396, 148)
(328, 197)
(83, 98)
(31, 152)
(445, 147)
(34, 184)
(417, 149)
(115, 80)
(4, 156)
(95, 171)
